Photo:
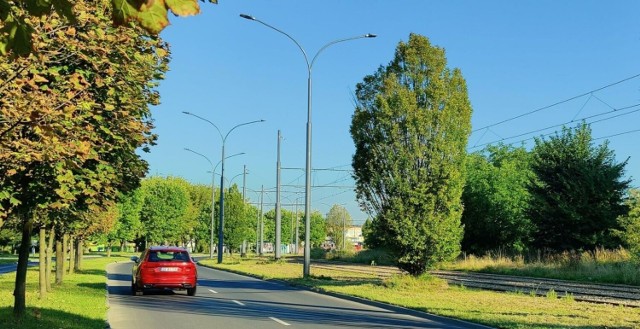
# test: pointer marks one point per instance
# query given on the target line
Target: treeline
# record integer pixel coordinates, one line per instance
(567, 193)
(430, 200)
(173, 211)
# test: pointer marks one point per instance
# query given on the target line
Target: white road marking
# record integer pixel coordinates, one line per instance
(213, 291)
(279, 321)
(237, 302)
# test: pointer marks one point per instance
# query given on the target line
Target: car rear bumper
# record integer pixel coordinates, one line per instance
(184, 282)
(168, 285)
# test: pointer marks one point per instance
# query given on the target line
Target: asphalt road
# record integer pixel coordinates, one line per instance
(227, 300)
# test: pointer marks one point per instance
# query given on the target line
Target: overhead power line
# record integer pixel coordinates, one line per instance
(566, 123)
(557, 103)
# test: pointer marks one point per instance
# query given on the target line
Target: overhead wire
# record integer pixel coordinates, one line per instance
(564, 124)
(557, 103)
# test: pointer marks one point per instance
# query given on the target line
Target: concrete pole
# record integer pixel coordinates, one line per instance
(278, 210)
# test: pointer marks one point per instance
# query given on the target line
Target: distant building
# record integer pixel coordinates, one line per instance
(354, 236)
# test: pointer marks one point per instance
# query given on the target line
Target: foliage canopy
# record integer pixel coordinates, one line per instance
(410, 128)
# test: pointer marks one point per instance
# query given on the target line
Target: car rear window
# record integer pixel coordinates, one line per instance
(168, 256)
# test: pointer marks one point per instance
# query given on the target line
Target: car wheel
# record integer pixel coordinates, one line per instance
(134, 291)
(191, 291)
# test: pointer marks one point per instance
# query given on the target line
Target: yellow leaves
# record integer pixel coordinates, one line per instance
(184, 7)
(152, 14)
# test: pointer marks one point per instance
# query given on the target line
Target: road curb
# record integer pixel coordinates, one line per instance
(391, 307)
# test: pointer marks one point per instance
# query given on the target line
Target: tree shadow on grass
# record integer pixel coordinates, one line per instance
(92, 272)
(48, 318)
(94, 285)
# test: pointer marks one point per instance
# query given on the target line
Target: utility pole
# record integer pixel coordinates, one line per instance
(344, 236)
(245, 245)
(278, 212)
(244, 183)
(297, 228)
(261, 222)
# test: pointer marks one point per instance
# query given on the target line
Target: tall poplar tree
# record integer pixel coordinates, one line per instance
(410, 128)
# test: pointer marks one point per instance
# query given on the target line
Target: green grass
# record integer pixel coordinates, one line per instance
(433, 295)
(78, 303)
(602, 266)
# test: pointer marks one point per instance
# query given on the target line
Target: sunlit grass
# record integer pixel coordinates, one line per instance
(604, 266)
(80, 302)
(433, 295)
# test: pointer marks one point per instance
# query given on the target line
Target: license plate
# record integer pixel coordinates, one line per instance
(168, 269)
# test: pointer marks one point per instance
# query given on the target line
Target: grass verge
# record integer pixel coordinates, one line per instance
(601, 266)
(79, 303)
(429, 294)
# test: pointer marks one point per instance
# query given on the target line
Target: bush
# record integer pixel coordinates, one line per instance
(318, 253)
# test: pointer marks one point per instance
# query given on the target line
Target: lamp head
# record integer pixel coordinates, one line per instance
(185, 112)
(249, 17)
(370, 35)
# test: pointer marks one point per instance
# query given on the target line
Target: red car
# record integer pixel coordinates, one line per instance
(164, 268)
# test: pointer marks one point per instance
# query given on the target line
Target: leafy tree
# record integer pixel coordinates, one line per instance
(105, 226)
(496, 200)
(410, 128)
(630, 224)
(239, 225)
(72, 117)
(318, 229)
(578, 192)
(369, 235)
(165, 205)
(17, 26)
(129, 225)
(200, 210)
(286, 225)
(337, 221)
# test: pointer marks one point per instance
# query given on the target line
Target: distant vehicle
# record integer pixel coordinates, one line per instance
(164, 268)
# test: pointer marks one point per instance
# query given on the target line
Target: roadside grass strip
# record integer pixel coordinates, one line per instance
(435, 296)
(79, 303)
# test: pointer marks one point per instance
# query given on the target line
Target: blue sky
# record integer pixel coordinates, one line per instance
(516, 57)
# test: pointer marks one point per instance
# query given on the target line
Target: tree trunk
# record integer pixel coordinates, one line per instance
(72, 255)
(52, 235)
(20, 306)
(80, 252)
(109, 249)
(59, 261)
(42, 264)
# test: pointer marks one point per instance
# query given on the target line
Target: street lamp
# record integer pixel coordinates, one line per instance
(213, 193)
(224, 140)
(307, 189)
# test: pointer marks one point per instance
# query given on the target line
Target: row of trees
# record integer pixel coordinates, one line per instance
(72, 116)
(170, 210)
(428, 198)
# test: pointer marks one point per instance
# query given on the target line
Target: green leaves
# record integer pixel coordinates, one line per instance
(152, 14)
(578, 192)
(16, 18)
(15, 36)
(410, 130)
(184, 7)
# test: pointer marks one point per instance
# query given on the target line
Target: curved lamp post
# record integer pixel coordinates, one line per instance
(213, 193)
(307, 202)
(224, 140)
